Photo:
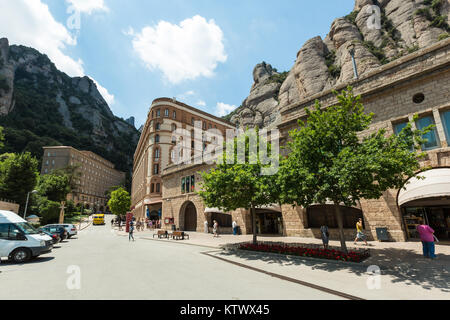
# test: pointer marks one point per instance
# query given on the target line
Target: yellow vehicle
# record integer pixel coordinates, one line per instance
(99, 219)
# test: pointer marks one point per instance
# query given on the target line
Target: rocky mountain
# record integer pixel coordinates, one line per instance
(405, 26)
(40, 105)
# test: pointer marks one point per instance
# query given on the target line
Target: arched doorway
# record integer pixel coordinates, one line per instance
(427, 201)
(190, 217)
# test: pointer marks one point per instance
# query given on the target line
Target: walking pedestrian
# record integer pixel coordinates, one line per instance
(234, 225)
(216, 229)
(359, 232)
(427, 236)
(112, 223)
(131, 230)
(120, 223)
(206, 227)
(325, 236)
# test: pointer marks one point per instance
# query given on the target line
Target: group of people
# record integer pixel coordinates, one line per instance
(425, 231)
(216, 228)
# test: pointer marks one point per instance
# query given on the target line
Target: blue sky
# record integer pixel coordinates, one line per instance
(200, 51)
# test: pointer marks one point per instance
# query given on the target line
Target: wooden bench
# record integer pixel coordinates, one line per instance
(179, 235)
(161, 234)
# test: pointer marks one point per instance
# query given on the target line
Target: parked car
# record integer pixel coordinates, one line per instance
(58, 230)
(70, 228)
(19, 241)
(56, 238)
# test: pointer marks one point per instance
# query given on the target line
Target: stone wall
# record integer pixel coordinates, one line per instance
(388, 93)
(9, 206)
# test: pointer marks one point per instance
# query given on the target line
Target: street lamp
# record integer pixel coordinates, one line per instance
(82, 211)
(26, 205)
(351, 50)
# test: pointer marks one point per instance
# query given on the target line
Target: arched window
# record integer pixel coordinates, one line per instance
(174, 127)
(158, 126)
(152, 188)
(157, 138)
(157, 153)
(158, 188)
(166, 113)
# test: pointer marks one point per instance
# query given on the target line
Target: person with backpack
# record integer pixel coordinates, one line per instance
(131, 231)
(325, 235)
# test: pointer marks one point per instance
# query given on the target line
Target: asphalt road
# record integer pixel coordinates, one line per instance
(99, 265)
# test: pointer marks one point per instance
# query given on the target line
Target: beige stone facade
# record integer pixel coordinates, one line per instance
(167, 118)
(416, 84)
(9, 206)
(394, 93)
(97, 174)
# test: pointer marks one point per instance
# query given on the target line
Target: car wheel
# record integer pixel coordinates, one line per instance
(21, 255)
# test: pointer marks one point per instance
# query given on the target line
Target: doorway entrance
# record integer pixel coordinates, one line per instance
(190, 217)
(438, 218)
(269, 222)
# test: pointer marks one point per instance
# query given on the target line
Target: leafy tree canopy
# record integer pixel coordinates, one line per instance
(120, 202)
(241, 184)
(18, 176)
(330, 159)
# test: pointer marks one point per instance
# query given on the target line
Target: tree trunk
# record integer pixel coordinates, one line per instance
(253, 211)
(340, 222)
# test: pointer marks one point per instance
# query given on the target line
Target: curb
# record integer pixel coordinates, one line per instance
(85, 226)
(287, 256)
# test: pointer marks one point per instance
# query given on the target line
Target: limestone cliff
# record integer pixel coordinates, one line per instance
(41, 105)
(405, 26)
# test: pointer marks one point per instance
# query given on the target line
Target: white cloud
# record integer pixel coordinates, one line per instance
(190, 93)
(88, 6)
(201, 103)
(30, 23)
(182, 52)
(222, 109)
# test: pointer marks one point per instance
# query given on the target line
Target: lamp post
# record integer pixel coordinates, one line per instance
(82, 211)
(26, 205)
(351, 50)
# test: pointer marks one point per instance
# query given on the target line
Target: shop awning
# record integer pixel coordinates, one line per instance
(436, 184)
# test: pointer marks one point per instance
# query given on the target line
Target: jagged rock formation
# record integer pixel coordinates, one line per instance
(259, 108)
(39, 105)
(404, 27)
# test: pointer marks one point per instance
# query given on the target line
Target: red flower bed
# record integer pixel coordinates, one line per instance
(330, 254)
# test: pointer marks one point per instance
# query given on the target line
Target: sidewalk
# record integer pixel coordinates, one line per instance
(392, 255)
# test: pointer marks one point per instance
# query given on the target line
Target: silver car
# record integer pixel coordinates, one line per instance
(70, 228)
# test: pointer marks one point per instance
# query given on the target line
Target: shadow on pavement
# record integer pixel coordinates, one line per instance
(32, 261)
(415, 270)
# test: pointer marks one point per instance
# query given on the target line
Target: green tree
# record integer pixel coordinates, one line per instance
(54, 187)
(48, 211)
(242, 184)
(120, 202)
(329, 160)
(18, 176)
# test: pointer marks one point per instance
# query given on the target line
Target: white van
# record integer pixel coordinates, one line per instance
(19, 241)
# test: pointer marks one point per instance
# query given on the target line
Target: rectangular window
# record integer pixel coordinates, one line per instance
(158, 188)
(432, 136)
(399, 127)
(158, 113)
(174, 115)
(183, 185)
(445, 116)
(192, 183)
(156, 169)
(188, 184)
(166, 113)
(152, 189)
(192, 121)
